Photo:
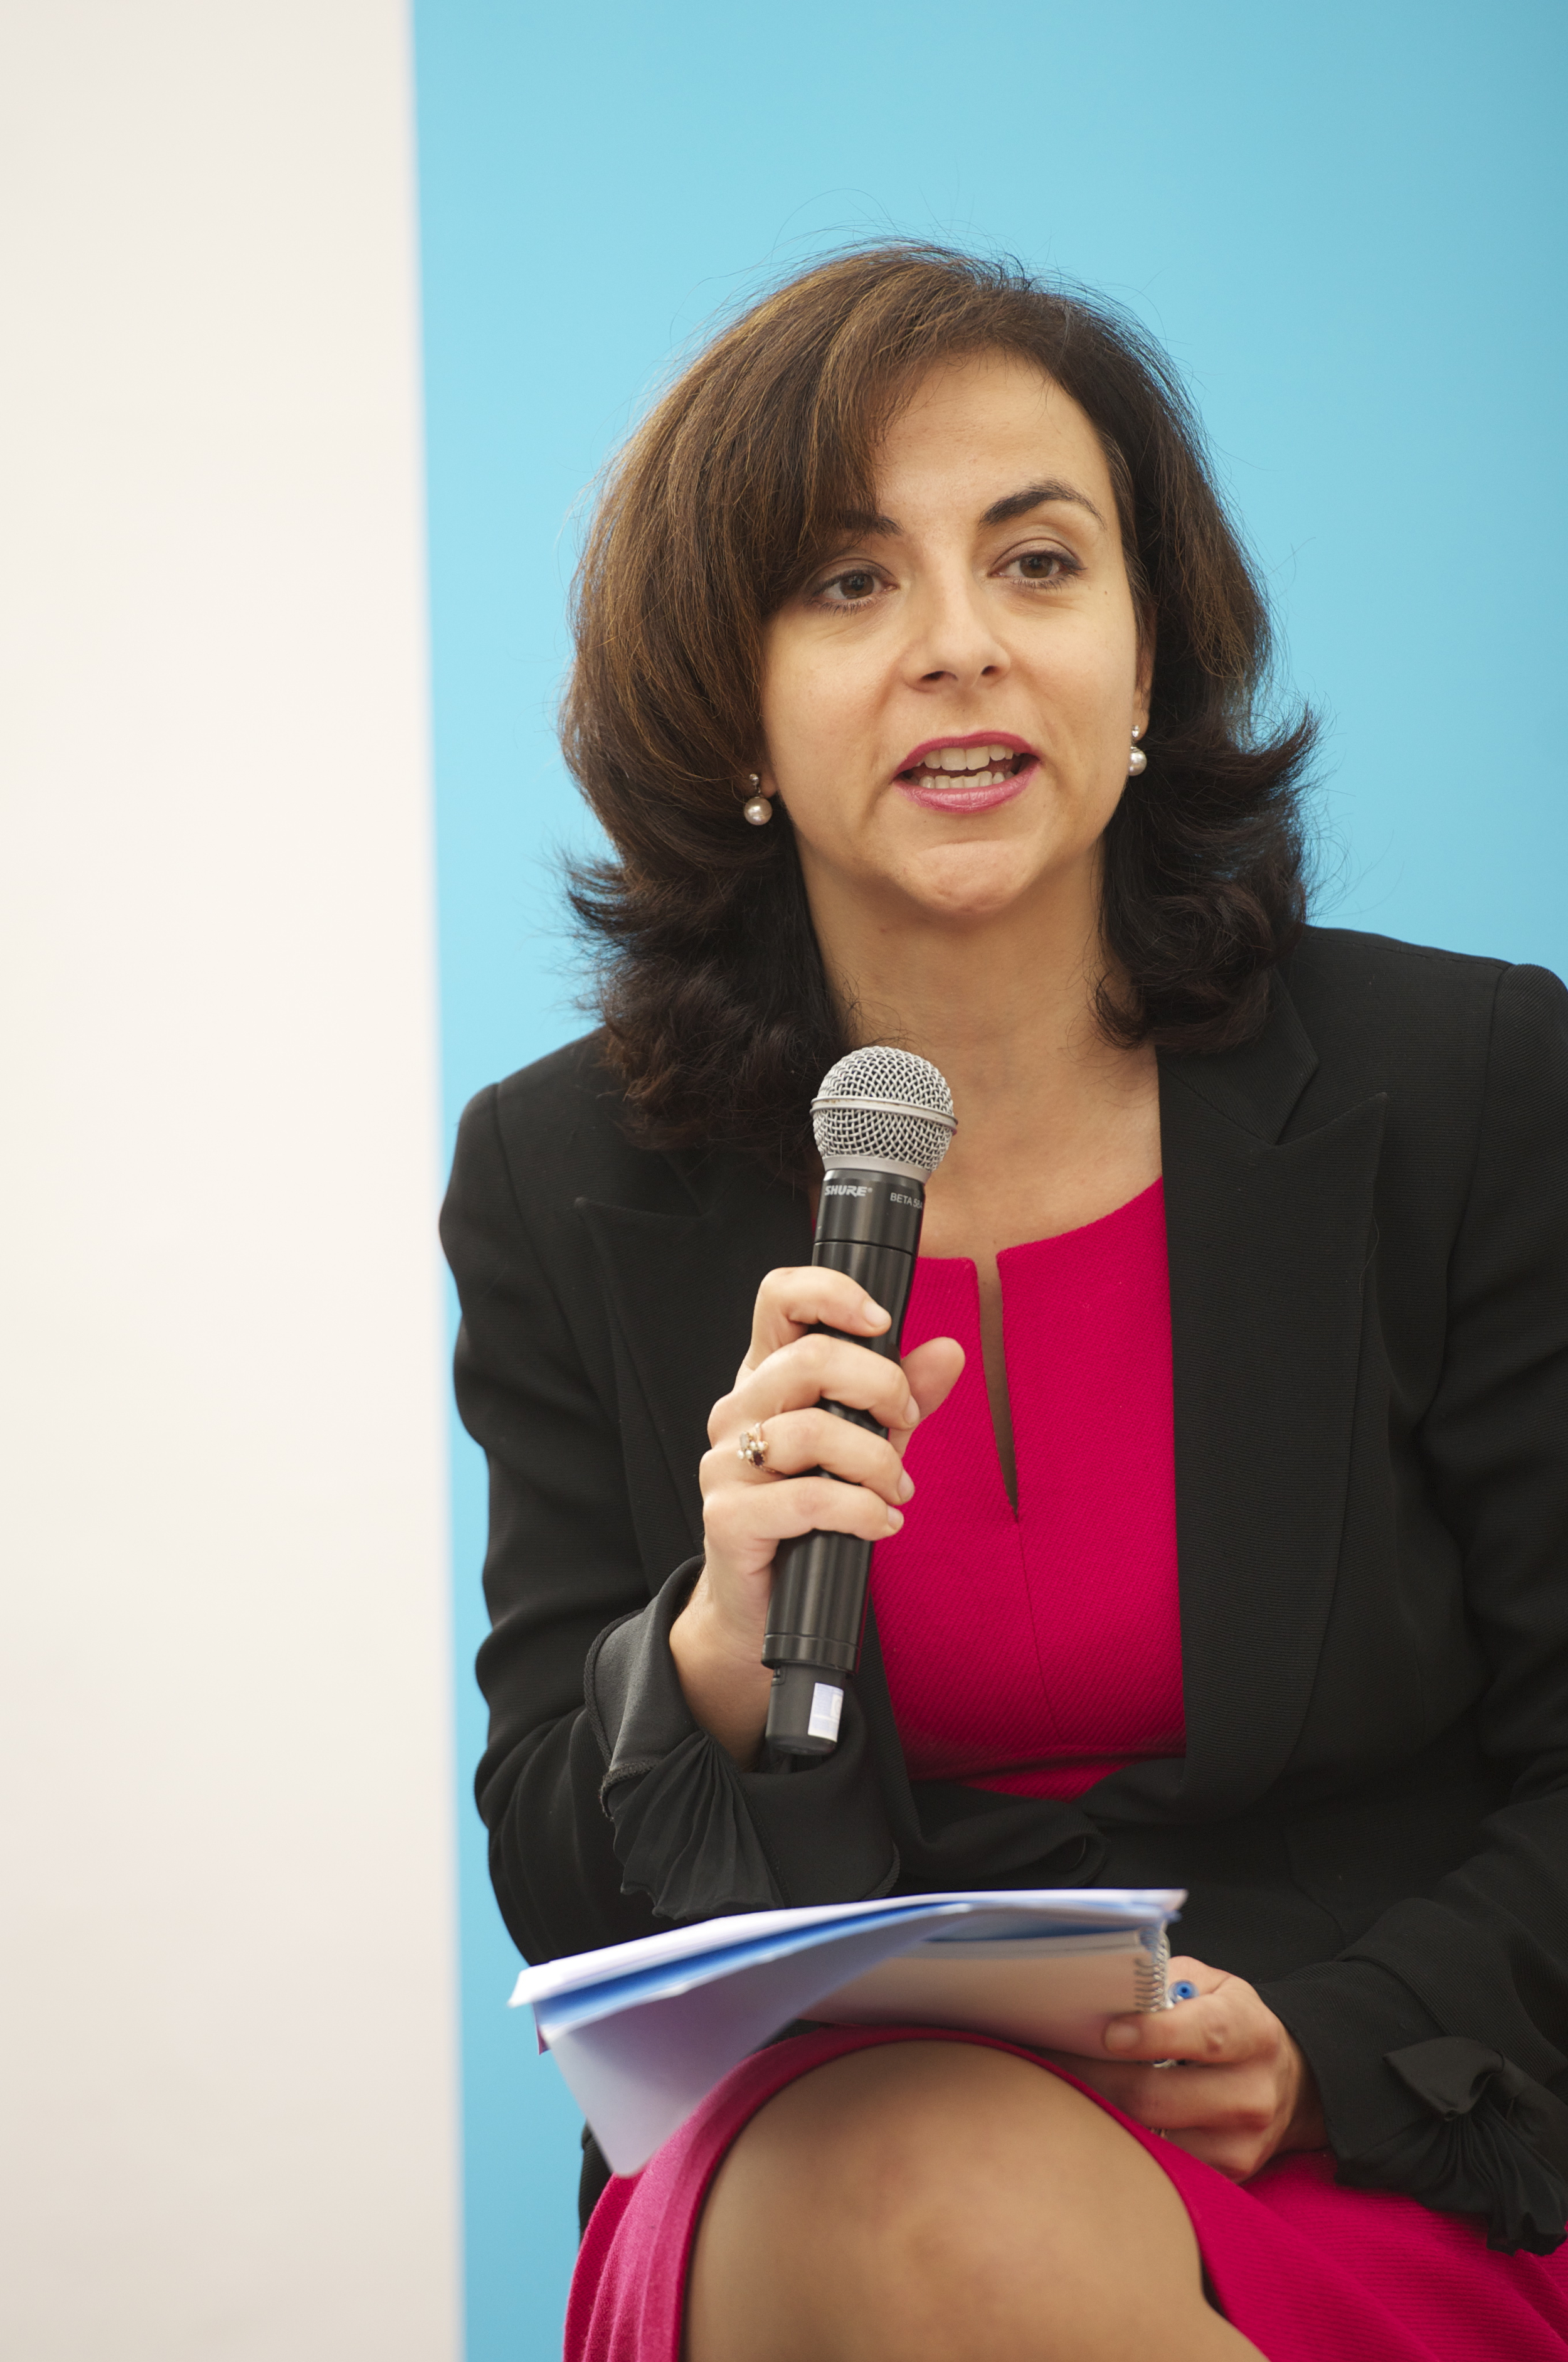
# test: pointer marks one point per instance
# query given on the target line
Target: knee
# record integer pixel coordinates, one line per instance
(938, 2190)
(911, 2118)
(891, 2143)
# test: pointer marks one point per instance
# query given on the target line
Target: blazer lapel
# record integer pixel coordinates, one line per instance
(1269, 1244)
(680, 1291)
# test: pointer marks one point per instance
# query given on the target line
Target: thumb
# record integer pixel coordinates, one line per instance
(933, 1369)
(1155, 2033)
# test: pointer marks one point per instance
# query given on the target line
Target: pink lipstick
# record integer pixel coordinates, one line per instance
(968, 800)
(970, 774)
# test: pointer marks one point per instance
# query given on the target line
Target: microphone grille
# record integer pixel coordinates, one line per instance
(883, 1106)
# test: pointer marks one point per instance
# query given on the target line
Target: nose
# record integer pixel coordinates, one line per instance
(953, 640)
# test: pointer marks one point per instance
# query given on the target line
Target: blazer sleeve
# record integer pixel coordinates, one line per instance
(609, 1810)
(561, 1561)
(1435, 2037)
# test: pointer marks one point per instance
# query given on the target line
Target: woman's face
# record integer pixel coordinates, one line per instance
(949, 706)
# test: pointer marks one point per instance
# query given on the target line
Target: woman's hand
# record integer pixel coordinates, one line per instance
(1243, 2093)
(716, 1640)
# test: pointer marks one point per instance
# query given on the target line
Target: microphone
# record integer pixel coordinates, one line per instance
(883, 1119)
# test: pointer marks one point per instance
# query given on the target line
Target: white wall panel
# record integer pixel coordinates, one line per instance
(225, 1785)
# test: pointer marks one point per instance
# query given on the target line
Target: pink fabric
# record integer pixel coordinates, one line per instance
(1035, 1652)
(1310, 2273)
(1067, 1660)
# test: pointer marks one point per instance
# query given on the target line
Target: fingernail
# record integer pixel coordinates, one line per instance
(912, 1417)
(906, 1487)
(873, 1315)
(1120, 2035)
(895, 1519)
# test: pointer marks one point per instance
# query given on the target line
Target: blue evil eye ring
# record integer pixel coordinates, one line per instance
(1182, 1990)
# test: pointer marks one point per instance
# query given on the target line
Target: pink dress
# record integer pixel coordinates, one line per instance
(1071, 1664)
(1007, 1669)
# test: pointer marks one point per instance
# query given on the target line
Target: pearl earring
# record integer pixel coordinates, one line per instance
(760, 809)
(1137, 761)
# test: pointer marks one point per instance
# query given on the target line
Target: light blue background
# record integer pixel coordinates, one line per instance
(1347, 223)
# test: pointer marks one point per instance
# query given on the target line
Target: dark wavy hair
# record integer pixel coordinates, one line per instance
(718, 1019)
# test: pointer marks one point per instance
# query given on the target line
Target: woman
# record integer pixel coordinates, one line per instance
(1220, 1520)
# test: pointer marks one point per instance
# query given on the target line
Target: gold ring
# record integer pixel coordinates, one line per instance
(753, 1447)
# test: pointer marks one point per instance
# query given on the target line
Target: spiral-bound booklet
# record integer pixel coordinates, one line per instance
(642, 2031)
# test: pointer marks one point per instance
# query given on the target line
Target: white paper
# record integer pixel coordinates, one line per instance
(642, 2031)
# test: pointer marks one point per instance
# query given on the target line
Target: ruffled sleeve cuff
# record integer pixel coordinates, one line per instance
(1490, 2141)
(1447, 2120)
(694, 1833)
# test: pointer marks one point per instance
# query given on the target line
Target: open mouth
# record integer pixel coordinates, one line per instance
(967, 773)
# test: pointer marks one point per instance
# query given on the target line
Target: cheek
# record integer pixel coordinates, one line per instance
(1096, 680)
(817, 719)
(822, 687)
(798, 700)
(1094, 736)
(1088, 662)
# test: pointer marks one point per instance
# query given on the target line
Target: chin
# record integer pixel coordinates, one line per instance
(971, 882)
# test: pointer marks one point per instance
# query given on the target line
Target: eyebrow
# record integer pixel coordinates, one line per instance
(1034, 496)
(1002, 511)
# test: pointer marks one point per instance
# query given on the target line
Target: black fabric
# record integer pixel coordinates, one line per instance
(1495, 2131)
(1369, 1304)
(1452, 2076)
(689, 1830)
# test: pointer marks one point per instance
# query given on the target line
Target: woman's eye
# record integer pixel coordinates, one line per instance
(1043, 564)
(848, 589)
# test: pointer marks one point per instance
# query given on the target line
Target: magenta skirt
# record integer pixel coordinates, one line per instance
(1308, 2271)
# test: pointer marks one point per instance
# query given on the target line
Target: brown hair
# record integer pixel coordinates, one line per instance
(717, 1014)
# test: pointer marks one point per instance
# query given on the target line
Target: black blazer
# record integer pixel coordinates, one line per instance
(1367, 1216)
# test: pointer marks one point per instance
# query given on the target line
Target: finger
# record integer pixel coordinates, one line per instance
(815, 1369)
(1189, 1978)
(747, 1522)
(795, 1299)
(1239, 2101)
(930, 1374)
(798, 1442)
(1208, 2032)
(1227, 2022)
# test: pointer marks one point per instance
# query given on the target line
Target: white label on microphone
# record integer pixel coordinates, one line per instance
(827, 1705)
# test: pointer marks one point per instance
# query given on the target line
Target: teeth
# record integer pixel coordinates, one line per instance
(946, 759)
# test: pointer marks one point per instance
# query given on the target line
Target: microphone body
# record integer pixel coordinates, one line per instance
(883, 1121)
(868, 1226)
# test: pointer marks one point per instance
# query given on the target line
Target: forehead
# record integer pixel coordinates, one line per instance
(979, 426)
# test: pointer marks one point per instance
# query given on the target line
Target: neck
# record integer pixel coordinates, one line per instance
(1002, 1001)
(1005, 1006)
